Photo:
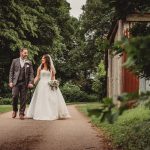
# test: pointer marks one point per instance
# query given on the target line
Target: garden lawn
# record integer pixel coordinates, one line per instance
(5, 108)
(131, 131)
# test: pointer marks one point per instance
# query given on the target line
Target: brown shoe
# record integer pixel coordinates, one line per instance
(21, 117)
(14, 114)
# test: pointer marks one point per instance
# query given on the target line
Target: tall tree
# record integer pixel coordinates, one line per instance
(40, 25)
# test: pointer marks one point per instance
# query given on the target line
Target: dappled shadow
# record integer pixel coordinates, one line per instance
(26, 143)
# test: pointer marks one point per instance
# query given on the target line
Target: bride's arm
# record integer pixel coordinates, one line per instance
(37, 75)
(53, 76)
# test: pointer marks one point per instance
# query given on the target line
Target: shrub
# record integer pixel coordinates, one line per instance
(131, 131)
(138, 137)
(72, 93)
(5, 101)
(99, 81)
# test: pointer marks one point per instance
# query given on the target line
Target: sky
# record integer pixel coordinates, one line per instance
(76, 6)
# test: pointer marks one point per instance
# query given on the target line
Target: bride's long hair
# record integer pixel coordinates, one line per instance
(48, 62)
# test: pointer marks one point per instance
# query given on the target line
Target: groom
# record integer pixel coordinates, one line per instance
(20, 79)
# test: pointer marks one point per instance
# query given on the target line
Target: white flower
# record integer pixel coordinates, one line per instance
(54, 84)
(27, 62)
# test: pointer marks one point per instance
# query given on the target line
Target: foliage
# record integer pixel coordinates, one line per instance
(5, 108)
(33, 24)
(129, 132)
(126, 126)
(128, 96)
(138, 55)
(42, 27)
(77, 46)
(95, 24)
(18, 22)
(99, 85)
(140, 29)
(118, 47)
(106, 110)
(96, 19)
(5, 91)
(125, 7)
(110, 112)
(5, 101)
(94, 27)
(137, 49)
(72, 93)
(46, 27)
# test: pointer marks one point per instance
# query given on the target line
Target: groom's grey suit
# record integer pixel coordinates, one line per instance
(20, 77)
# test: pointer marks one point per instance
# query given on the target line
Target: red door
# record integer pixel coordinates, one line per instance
(130, 80)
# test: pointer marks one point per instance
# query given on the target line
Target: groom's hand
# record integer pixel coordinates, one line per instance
(30, 85)
(11, 85)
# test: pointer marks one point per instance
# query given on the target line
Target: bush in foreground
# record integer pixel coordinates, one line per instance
(131, 131)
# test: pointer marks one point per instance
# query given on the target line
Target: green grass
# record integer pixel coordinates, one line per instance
(131, 131)
(5, 108)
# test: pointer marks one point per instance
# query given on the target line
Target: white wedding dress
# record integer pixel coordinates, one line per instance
(47, 104)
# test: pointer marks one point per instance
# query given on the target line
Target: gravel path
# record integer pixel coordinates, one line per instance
(71, 134)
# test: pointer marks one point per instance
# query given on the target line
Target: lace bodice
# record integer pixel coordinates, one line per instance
(45, 74)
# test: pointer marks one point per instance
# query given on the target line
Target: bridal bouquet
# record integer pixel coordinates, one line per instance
(54, 84)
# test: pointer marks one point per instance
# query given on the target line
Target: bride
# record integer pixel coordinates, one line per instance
(46, 103)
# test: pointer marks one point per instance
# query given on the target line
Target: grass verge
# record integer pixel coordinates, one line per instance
(5, 108)
(130, 132)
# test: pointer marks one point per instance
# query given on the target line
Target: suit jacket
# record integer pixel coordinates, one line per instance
(15, 71)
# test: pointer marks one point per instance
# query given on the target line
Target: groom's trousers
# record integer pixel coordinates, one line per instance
(19, 91)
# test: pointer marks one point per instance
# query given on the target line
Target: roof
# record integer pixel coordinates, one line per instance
(135, 17)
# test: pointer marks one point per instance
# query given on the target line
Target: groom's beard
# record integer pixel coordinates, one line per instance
(24, 57)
